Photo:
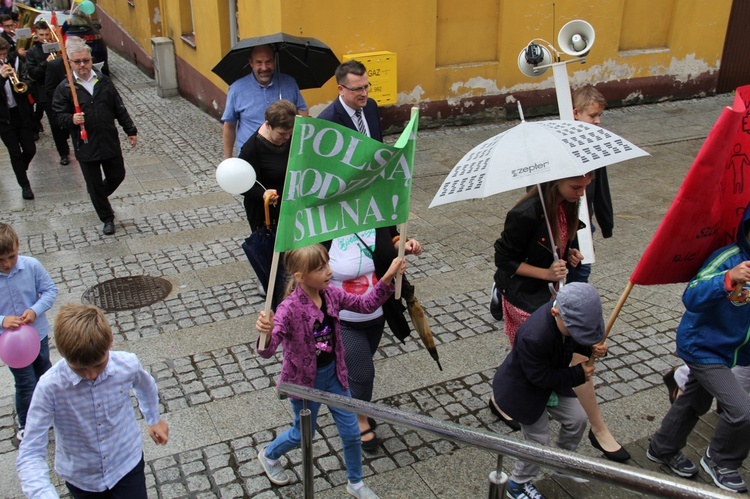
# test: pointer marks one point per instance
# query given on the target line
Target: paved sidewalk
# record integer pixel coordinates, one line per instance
(217, 395)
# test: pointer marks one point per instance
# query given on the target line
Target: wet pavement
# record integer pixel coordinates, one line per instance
(218, 396)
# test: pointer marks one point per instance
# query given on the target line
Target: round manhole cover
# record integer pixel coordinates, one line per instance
(127, 293)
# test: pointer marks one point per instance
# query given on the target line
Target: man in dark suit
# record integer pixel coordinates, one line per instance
(16, 120)
(354, 109)
(36, 65)
(9, 26)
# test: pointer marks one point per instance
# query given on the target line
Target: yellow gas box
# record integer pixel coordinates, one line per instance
(381, 72)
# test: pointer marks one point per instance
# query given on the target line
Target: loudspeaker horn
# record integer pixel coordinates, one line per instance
(532, 56)
(576, 38)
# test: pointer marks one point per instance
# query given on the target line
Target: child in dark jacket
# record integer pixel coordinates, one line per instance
(307, 326)
(539, 365)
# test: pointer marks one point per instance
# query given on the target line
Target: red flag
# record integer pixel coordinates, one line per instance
(707, 209)
(53, 19)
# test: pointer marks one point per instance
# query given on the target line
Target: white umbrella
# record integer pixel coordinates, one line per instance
(533, 153)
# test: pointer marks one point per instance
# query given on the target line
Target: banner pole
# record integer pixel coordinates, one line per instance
(401, 253)
(613, 317)
(402, 231)
(269, 293)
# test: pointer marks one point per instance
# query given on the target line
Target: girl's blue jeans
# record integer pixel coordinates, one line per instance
(346, 423)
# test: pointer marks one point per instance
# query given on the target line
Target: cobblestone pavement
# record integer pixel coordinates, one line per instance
(174, 222)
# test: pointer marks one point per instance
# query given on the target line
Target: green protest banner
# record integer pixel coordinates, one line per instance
(339, 182)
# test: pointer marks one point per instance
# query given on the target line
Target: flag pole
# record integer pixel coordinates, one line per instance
(402, 230)
(621, 302)
(401, 253)
(613, 317)
(71, 83)
(269, 294)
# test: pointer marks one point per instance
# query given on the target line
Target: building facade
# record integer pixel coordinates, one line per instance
(456, 60)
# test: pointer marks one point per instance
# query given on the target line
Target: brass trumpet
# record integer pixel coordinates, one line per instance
(54, 37)
(19, 87)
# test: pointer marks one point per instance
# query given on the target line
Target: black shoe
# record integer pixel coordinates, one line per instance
(26, 192)
(109, 228)
(64, 160)
(618, 456)
(510, 423)
(371, 445)
(672, 388)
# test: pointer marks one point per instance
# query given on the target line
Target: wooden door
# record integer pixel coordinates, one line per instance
(735, 60)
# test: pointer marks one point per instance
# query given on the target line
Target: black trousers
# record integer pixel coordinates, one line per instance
(99, 188)
(19, 140)
(59, 135)
(131, 486)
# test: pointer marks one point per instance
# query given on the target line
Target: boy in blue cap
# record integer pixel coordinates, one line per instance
(539, 366)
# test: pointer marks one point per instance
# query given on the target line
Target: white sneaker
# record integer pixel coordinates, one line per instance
(19, 435)
(364, 492)
(275, 472)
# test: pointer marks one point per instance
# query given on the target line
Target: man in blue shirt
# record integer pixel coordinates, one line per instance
(249, 97)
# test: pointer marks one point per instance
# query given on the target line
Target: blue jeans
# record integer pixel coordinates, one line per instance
(580, 273)
(346, 423)
(26, 378)
(131, 486)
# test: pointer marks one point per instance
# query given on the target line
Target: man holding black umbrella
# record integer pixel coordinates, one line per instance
(250, 95)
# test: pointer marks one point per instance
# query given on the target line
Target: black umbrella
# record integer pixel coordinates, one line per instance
(309, 61)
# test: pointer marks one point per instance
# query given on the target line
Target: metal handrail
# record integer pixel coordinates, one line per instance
(629, 477)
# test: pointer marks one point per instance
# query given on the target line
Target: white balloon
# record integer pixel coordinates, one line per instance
(235, 175)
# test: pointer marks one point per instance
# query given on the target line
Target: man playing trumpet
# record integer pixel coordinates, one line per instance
(36, 65)
(9, 26)
(16, 121)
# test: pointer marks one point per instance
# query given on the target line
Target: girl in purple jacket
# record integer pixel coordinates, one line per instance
(307, 326)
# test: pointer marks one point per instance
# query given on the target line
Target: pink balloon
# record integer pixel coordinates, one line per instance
(19, 347)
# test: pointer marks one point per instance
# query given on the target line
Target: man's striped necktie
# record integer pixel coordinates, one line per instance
(360, 122)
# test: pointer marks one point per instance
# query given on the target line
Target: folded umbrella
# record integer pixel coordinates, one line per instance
(259, 251)
(419, 321)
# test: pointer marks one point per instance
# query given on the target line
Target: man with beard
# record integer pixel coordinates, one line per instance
(249, 97)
